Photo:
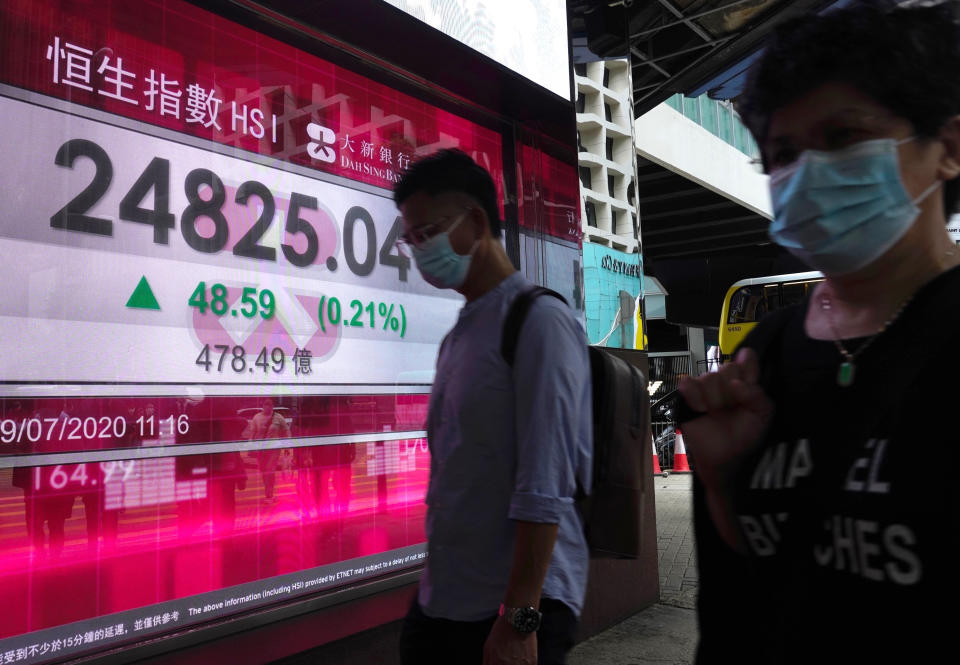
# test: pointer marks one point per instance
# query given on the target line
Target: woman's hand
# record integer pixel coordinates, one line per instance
(736, 412)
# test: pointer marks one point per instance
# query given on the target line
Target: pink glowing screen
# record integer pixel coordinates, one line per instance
(549, 195)
(95, 552)
(173, 65)
(135, 506)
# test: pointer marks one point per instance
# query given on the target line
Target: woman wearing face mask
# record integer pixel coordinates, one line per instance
(825, 511)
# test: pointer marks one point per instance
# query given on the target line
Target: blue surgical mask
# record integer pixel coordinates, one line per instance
(841, 210)
(439, 264)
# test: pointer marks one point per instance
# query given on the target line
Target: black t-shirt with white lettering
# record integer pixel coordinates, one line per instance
(849, 508)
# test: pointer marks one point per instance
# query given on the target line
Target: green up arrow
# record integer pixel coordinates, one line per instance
(142, 296)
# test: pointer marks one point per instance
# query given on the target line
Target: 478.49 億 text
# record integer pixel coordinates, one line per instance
(222, 357)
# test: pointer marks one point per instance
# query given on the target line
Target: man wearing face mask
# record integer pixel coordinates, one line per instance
(818, 539)
(506, 574)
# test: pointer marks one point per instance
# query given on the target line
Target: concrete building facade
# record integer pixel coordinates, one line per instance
(612, 264)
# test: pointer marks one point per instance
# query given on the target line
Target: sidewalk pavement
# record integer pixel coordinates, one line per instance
(677, 557)
(665, 633)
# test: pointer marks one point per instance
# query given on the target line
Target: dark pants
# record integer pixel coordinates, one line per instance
(428, 641)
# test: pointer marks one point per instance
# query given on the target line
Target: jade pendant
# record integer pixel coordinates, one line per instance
(845, 374)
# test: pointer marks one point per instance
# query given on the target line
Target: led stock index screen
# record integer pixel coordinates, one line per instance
(216, 363)
(527, 36)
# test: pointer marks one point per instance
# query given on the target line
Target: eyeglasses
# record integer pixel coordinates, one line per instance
(419, 235)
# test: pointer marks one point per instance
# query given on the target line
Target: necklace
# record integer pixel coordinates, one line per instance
(847, 370)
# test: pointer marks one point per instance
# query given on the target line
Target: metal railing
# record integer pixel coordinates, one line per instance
(704, 366)
(663, 440)
(666, 370)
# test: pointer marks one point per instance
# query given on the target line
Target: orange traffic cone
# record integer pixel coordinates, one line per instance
(680, 455)
(656, 460)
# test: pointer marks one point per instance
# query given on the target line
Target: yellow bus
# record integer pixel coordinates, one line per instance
(748, 300)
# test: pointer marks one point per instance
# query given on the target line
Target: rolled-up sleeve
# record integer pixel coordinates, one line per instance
(551, 376)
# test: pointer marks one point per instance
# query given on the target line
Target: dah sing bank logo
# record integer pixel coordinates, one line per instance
(321, 148)
(615, 265)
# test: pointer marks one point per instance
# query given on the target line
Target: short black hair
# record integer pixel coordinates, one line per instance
(907, 59)
(447, 171)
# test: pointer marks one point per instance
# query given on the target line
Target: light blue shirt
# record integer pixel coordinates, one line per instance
(506, 445)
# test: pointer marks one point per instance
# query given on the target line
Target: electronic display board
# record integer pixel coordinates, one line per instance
(528, 36)
(551, 238)
(216, 362)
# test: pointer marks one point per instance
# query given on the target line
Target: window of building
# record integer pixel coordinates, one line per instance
(581, 102)
(591, 211)
(610, 185)
(610, 149)
(606, 77)
(586, 177)
(740, 137)
(634, 224)
(607, 112)
(613, 221)
(691, 108)
(580, 69)
(709, 116)
(726, 123)
(753, 150)
(580, 142)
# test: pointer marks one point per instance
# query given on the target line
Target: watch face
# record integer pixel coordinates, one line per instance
(526, 620)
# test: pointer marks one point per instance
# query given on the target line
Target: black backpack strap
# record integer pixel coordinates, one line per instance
(512, 325)
(516, 315)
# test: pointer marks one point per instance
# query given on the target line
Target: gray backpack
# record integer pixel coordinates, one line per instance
(622, 458)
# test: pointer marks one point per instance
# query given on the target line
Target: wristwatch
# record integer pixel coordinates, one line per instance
(524, 619)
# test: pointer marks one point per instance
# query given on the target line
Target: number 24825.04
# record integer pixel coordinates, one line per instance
(156, 176)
